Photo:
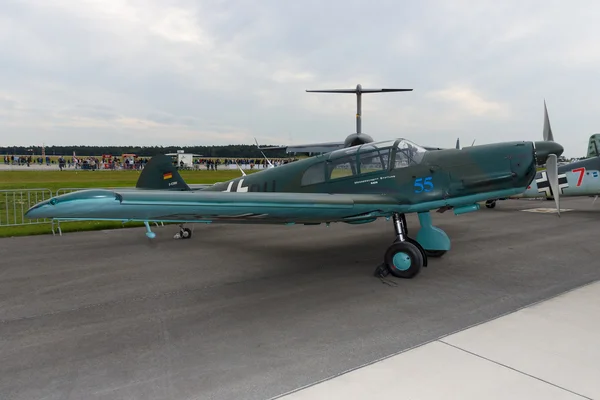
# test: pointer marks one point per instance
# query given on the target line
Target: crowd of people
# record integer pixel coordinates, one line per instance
(214, 163)
(138, 163)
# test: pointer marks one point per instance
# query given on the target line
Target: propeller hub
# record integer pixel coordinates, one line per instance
(545, 148)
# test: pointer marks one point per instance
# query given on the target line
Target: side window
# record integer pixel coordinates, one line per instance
(342, 167)
(374, 161)
(407, 154)
(314, 174)
(402, 158)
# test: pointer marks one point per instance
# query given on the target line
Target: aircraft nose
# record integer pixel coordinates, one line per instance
(40, 209)
(545, 148)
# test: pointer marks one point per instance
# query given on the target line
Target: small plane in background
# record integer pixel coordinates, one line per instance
(579, 178)
(353, 139)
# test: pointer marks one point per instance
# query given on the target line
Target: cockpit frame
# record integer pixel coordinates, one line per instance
(352, 162)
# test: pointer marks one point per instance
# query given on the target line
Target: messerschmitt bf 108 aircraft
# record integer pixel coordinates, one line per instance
(579, 178)
(354, 185)
(357, 183)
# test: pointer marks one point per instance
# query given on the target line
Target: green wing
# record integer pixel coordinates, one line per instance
(239, 207)
(205, 206)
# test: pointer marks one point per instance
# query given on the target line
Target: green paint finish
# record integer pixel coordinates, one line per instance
(354, 185)
(431, 237)
(466, 209)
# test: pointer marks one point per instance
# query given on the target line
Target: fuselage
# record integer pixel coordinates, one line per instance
(375, 179)
(398, 168)
(581, 178)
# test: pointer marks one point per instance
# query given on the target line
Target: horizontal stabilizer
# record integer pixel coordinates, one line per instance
(308, 148)
(355, 90)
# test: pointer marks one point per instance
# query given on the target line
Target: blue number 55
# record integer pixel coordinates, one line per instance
(423, 185)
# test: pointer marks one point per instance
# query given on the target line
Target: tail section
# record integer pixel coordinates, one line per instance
(160, 174)
(594, 146)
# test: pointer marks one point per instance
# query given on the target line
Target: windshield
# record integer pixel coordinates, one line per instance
(408, 153)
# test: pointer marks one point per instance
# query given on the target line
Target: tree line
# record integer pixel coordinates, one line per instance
(232, 150)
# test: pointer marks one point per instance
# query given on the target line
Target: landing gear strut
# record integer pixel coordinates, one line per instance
(405, 257)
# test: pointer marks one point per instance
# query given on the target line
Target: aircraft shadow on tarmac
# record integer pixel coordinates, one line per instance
(343, 250)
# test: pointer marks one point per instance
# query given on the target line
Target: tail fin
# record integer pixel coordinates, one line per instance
(594, 146)
(160, 174)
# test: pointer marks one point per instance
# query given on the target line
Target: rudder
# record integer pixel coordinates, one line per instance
(594, 146)
(160, 174)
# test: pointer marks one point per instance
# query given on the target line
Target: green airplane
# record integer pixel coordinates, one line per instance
(354, 185)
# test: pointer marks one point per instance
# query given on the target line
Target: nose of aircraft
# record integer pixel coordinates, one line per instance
(545, 148)
(40, 210)
(77, 204)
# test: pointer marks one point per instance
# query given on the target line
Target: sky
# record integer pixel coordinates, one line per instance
(192, 72)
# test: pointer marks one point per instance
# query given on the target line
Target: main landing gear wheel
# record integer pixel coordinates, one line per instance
(490, 204)
(184, 233)
(404, 259)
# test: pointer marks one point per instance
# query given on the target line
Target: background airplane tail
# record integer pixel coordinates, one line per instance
(160, 174)
(594, 146)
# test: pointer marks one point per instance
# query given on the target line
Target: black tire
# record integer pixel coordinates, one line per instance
(435, 253)
(417, 245)
(186, 233)
(404, 260)
(490, 204)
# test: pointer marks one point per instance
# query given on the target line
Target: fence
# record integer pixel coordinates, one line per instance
(14, 203)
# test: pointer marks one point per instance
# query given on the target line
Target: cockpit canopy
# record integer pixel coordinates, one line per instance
(364, 159)
(407, 152)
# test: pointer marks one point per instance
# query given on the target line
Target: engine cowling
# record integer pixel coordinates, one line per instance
(356, 139)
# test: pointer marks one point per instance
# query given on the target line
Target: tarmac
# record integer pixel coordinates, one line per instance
(255, 312)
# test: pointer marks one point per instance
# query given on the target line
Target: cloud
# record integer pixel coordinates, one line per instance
(153, 72)
(467, 100)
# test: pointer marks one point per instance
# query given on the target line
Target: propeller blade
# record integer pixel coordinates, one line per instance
(552, 171)
(547, 133)
(595, 198)
(457, 143)
(472, 144)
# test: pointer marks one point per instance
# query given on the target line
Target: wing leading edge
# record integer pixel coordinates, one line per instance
(244, 207)
(205, 206)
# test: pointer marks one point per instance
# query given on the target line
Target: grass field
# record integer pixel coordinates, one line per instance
(13, 203)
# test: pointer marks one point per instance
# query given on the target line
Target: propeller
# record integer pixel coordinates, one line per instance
(547, 133)
(552, 171)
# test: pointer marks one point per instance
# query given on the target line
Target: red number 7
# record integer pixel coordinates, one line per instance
(581, 172)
